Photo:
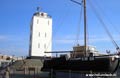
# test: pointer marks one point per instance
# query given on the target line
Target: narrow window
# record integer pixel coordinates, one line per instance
(39, 34)
(45, 35)
(37, 21)
(38, 45)
(48, 22)
(44, 46)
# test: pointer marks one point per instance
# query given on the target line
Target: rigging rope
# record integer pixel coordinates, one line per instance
(104, 25)
(60, 22)
(108, 19)
(78, 28)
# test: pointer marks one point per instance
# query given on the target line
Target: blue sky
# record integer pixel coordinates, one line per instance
(15, 16)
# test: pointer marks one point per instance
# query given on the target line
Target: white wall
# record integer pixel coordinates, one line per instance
(41, 35)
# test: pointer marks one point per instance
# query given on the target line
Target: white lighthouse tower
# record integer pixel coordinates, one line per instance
(41, 35)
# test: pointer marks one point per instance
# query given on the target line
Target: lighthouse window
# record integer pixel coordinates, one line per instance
(48, 22)
(37, 21)
(44, 46)
(45, 35)
(38, 45)
(39, 34)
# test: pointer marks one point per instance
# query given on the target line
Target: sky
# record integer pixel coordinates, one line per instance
(15, 17)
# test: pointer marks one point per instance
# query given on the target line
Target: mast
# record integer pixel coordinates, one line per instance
(85, 27)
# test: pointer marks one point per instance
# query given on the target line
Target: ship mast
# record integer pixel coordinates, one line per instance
(85, 25)
(85, 28)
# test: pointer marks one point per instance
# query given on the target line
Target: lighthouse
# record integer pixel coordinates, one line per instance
(40, 35)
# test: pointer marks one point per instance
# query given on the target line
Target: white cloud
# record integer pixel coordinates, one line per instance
(14, 51)
(64, 41)
(92, 39)
(2, 37)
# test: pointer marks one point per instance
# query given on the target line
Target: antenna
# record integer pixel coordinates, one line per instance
(39, 9)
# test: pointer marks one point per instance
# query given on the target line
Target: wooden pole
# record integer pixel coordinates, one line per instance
(85, 28)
